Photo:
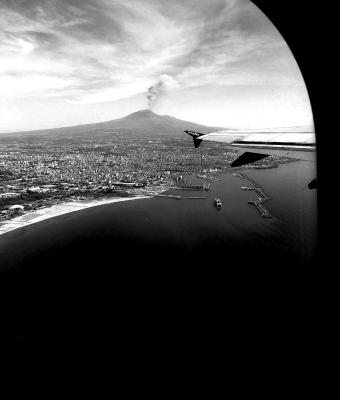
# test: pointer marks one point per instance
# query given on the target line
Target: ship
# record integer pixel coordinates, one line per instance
(206, 186)
(218, 203)
(247, 188)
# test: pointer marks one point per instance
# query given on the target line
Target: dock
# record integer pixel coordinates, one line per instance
(178, 197)
(185, 188)
(171, 196)
(191, 187)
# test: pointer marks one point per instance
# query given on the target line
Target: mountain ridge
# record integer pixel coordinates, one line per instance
(142, 122)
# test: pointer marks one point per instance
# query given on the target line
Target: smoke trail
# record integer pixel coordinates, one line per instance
(156, 91)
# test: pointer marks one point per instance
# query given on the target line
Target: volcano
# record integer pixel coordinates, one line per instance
(140, 123)
(148, 122)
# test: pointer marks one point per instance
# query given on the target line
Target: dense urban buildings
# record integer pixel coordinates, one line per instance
(38, 172)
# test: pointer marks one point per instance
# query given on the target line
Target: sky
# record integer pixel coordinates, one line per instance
(214, 62)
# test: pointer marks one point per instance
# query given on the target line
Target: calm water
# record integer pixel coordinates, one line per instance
(160, 229)
(162, 276)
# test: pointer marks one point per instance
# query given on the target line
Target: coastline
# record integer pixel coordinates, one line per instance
(60, 209)
(181, 224)
(70, 206)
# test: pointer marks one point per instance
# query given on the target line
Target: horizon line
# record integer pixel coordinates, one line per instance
(161, 115)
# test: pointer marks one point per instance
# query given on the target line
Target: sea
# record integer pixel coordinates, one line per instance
(168, 275)
(160, 229)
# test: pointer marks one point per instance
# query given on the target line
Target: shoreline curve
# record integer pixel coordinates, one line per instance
(59, 209)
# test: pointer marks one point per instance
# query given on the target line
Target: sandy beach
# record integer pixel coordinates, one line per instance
(58, 209)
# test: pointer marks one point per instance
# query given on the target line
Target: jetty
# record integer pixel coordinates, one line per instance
(171, 196)
(191, 187)
(261, 193)
(263, 211)
(186, 188)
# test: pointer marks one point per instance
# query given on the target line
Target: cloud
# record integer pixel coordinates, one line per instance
(118, 42)
(108, 42)
(94, 51)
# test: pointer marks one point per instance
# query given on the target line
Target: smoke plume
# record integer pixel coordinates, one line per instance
(155, 92)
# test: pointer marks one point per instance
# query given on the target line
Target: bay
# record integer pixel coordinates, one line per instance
(169, 276)
(165, 228)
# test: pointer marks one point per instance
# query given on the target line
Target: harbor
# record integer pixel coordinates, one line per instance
(262, 197)
(137, 224)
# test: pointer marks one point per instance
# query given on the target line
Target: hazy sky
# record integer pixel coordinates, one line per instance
(216, 62)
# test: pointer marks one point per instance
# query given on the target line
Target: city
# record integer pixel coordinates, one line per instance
(36, 172)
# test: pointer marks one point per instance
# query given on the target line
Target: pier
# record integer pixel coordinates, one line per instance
(178, 197)
(263, 211)
(171, 196)
(262, 195)
(186, 188)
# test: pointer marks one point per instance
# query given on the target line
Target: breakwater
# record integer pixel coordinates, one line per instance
(171, 196)
(263, 197)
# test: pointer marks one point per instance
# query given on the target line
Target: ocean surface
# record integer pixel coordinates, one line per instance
(167, 278)
(159, 229)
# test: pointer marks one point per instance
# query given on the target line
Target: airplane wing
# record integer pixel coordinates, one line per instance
(258, 145)
(300, 145)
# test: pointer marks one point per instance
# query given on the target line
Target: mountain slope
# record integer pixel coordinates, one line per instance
(144, 122)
